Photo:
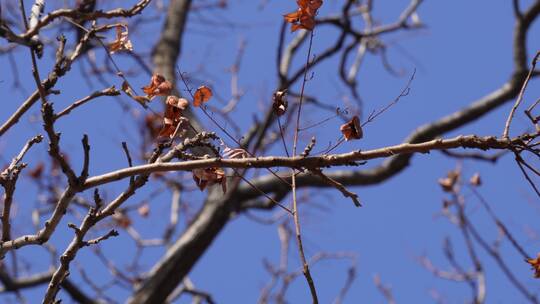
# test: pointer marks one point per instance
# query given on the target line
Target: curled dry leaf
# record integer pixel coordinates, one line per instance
(304, 16)
(180, 103)
(158, 87)
(235, 153)
(476, 180)
(129, 92)
(352, 129)
(280, 103)
(122, 42)
(210, 176)
(451, 179)
(173, 118)
(535, 264)
(202, 95)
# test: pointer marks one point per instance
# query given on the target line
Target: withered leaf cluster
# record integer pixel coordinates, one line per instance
(173, 116)
(304, 16)
(175, 124)
(158, 87)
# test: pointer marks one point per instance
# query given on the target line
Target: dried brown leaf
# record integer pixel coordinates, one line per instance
(352, 129)
(476, 180)
(202, 95)
(174, 101)
(158, 86)
(449, 182)
(535, 264)
(210, 176)
(280, 103)
(304, 16)
(129, 91)
(122, 42)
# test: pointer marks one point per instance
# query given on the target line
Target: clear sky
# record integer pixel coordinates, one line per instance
(463, 53)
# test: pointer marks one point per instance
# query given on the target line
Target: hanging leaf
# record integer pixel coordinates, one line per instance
(158, 87)
(451, 179)
(235, 153)
(122, 42)
(304, 17)
(535, 264)
(280, 103)
(202, 95)
(352, 129)
(173, 119)
(129, 91)
(180, 103)
(475, 180)
(210, 176)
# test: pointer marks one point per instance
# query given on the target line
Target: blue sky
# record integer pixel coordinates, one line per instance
(463, 54)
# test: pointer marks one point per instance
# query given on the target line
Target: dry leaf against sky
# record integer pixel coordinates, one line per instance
(304, 16)
(122, 42)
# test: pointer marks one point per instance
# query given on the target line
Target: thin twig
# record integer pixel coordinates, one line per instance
(500, 224)
(128, 156)
(305, 266)
(338, 185)
(520, 96)
(527, 177)
(111, 91)
(404, 92)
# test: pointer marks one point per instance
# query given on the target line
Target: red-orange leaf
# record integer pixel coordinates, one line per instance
(158, 87)
(535, 264)
(352, 129)
(202, 95)
(304, 17)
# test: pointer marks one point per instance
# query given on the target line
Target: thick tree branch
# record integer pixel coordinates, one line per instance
(345, 159)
